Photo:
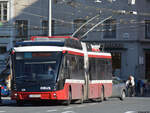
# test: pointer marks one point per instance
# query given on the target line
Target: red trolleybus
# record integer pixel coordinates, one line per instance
(59, 68)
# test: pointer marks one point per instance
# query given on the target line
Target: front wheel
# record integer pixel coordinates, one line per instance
(68, 102)
(20, 103)
(123, 95)
(102, 94)
(82, 98)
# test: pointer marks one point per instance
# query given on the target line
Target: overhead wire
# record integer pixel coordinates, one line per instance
(59, 20)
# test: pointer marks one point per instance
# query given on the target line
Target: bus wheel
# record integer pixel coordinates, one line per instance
(123, 95)
(20, 103)
(82, 98)
(68, 102)
(102, 94)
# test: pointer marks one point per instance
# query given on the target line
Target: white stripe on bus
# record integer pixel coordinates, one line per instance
(99, 53)
(91, 81)
(100, 81)
(37, 49)
(74, 81)
(54, 48)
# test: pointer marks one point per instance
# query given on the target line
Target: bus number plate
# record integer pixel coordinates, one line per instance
(34, 96)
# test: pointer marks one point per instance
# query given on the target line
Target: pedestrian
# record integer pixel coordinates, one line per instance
(130, 84)
(140, 88)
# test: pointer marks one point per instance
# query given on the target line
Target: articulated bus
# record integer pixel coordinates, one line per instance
(59, 68)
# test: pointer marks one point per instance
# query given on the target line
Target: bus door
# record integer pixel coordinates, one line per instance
(86, 75)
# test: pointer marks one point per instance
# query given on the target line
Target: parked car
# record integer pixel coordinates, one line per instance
(118, 88)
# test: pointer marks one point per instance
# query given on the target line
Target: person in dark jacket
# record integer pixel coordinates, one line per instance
(140, 87)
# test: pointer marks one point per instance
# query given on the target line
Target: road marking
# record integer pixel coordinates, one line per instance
(68, 112)
(130, 112)
(2, 111)
(81, 106)
(93, 104)
(68, 108)
(54, 110)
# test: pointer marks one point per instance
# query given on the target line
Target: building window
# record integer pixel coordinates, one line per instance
(109, 29)
(147, 65)
(3, 50)
(116, 63)
(77, 24)
(147, 29)
(22, 29)
(45, 27)
(3, 11)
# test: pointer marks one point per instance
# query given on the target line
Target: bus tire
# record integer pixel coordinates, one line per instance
(68, 102)
(82, 98)
(102, 94)
(20, 103)
(105, 98)
(123, 95)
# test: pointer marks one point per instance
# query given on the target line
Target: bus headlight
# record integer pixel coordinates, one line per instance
(55, 95)
(15, 94)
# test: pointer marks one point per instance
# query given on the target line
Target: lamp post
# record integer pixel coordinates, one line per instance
(11, 17)
(50, 18)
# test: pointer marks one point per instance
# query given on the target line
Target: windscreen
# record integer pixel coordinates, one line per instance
(36, 67)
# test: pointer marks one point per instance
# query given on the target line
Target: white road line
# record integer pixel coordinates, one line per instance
(2, 111)
(68, 112)
(54, 110)
(93, 104)
(68, 108)
(131, 112)
(81, 106)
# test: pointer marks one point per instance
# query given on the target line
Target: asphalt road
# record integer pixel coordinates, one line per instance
(112, 105)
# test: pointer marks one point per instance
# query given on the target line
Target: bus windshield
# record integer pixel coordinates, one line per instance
(37, 66)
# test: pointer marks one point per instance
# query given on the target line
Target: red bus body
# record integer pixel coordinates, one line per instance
(87, 88)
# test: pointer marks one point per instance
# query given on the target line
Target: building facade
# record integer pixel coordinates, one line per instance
(126, 34)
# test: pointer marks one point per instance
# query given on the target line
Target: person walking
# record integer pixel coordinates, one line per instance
(140, 87)
(130, 84)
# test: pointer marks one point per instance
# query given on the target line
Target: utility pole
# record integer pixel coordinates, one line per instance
(50, 18)
(11, 17)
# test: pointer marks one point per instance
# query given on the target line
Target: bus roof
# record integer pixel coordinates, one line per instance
(40, 43)
(36, 38)
(66, 41)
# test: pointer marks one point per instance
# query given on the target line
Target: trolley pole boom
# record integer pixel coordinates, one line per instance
(95, 26)
(84, 24)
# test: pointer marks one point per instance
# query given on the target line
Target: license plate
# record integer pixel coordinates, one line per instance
(34, 96)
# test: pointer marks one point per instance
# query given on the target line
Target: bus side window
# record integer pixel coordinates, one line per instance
(66, 67)
(63, 71)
